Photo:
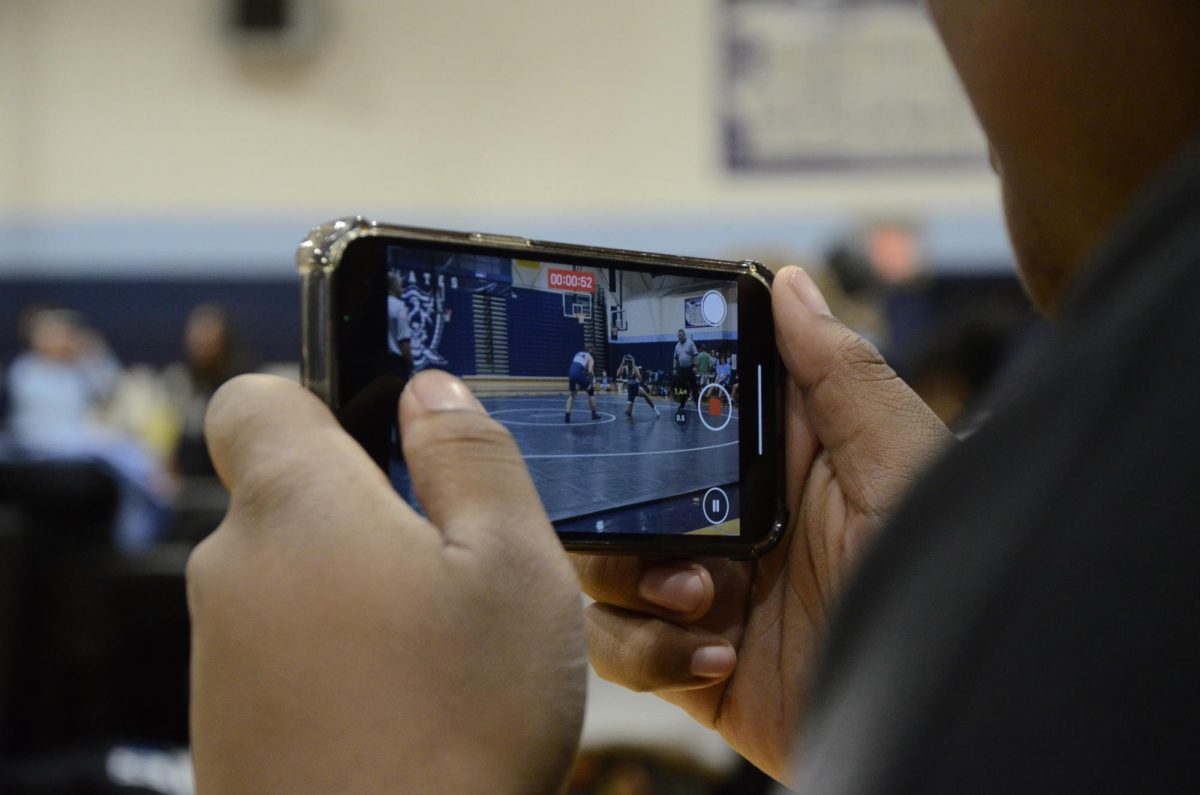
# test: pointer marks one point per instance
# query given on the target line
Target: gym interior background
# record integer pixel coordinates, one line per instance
(160, 157)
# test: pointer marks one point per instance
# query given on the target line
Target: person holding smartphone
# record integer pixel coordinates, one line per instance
(1014, 613)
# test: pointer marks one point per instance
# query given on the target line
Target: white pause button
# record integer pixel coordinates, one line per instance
(715, 505)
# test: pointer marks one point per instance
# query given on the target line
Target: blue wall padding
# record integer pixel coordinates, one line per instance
(541, 342)
(143, 319)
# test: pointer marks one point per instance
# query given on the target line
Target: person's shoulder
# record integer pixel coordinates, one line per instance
(24, 365)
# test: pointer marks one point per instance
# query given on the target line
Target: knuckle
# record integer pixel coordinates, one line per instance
(853, 349)
(600, 575)
(291, 482)
(634, 652)
(231, 404)
(199, 570)
(647, 651)
(199, 562)
(269, 486)
(583, 569)
(623, 671)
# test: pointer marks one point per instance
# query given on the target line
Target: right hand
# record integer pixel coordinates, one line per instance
(734, 643)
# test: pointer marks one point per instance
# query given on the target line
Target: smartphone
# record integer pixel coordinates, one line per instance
(642, 389)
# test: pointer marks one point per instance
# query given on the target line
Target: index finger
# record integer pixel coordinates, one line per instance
(279, 450)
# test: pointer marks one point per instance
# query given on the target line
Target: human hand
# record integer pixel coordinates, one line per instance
(734, 643)
(343, 643)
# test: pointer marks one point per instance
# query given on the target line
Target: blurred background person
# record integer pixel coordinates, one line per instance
(211, 356)
(59, 384)
(960, 360)
(56, 389)
(724, 369)
(704, 366)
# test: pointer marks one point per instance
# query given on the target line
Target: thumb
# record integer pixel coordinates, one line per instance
(466, 469)
(875, 428)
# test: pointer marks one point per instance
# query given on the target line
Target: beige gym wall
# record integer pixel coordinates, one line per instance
(142, 108)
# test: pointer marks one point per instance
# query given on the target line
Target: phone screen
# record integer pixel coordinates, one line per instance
(621, 387)
(643, 390)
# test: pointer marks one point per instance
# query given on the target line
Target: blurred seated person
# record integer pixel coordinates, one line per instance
(724, 371)
(956, 364)
(54, 391)
(57, 384)
(704, 366)
(211, 357)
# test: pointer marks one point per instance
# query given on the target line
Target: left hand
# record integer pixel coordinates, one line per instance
(343, 643)
(735, 643)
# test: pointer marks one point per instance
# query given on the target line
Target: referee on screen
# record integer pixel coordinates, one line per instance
(685, 369)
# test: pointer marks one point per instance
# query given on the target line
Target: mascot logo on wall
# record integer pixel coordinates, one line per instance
(426, 323)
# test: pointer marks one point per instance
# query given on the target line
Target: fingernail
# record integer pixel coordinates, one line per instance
(808, 293)
(675, 589)
(437, 390)
(712, 662)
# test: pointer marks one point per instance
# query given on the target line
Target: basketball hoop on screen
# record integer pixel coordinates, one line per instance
(580, 317)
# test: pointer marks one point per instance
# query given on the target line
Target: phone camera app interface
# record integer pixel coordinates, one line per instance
(619, 386)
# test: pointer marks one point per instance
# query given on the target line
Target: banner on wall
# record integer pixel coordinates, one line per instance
(693, 312)
(841, 85)
(704, 311)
